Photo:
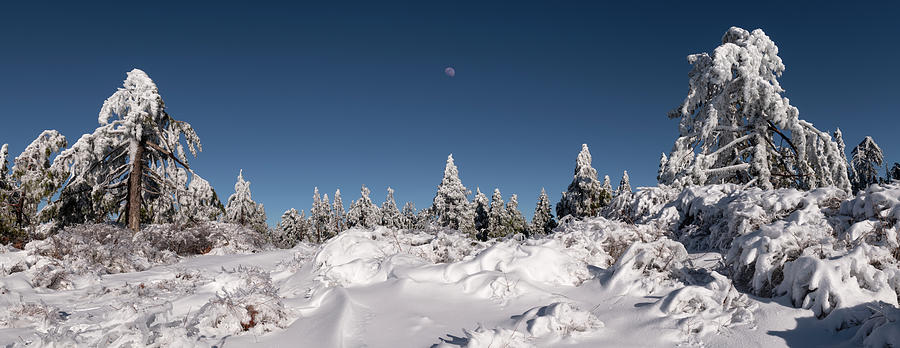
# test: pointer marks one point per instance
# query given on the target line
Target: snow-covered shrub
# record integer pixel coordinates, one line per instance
(707, 308)
(253, 306)
(202, 238)
(881, 328)
(100, 248)
(537, 326)
(30, 313)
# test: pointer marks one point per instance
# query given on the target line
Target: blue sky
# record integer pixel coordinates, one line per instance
(340, 94)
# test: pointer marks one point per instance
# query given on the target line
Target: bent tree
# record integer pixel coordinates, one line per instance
(736, 127)
(135, 162)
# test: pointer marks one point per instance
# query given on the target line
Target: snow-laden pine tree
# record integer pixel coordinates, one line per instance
(839, 140)
(498, 218)
(866, 158)
(320, 217)
(542, 223)
(736, 127)
(200, 202)
(363, 212)
(132, 158)
(585, 195)
(451, 206)
(390, 215)
(893, 173)
(408, 218)
(339, 218)
(241, 209)
(4, 163)
(32, 180)
(481, 207)
(515, 221)
(624, 185)
(291, 230)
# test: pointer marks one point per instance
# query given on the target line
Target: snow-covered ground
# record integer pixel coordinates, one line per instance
(597, 282)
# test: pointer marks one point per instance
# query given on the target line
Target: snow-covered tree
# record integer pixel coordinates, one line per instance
(451, 206)
(839, 140)
(339, 214)
(515, 222)
(408, 218)
(199, 203)
(241, 209)
(4, 163)
(362, 212)
(542, 223)
(585, 195)
(320, 217)
(33, 181)
(133, 158)
(481, 207)
(292, 229)
(865, 160)
(624, 185)
(736, 127)
(390, 215)
(498, 217)
(893, 173)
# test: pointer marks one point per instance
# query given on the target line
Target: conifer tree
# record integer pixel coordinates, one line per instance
(585, 195)
(866, 158)
(241, 209)
(134, 158)
(408, 216)
(291, 230)
(362, 212)
(497, 217)
(390, 215)
(451, 206)
(33, 181)
(737, 127)
(624, 185)
(339, 214)
(515, 222)
(542, 223)
(893, 174)
(481, 208)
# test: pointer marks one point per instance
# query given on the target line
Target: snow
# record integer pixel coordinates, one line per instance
(664, 268)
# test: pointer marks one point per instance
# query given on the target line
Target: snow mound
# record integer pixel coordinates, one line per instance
(539, 326)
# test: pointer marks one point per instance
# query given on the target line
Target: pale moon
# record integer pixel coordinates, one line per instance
(449, 71)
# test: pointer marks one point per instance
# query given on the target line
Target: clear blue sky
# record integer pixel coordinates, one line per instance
(339, 94)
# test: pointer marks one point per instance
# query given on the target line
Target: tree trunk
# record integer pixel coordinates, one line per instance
(134, 188)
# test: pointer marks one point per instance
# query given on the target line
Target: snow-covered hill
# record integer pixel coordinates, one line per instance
(713, 265)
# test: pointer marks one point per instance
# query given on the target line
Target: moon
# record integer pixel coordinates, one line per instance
(449, 71)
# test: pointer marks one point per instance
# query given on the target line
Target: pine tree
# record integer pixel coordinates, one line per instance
(893, 174)
(319, 217)
(515, 222)
(33, 181)
(542, 223)
(362, 212)
(390, 215)
(624, 185)
(451, 206)
(481, 208)
(585, 195)
(133, 158)
(241, 209)
(498, 218)
(291, 229)
(866, 158)
(737, 127)
(339, 214)
(408, 216)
